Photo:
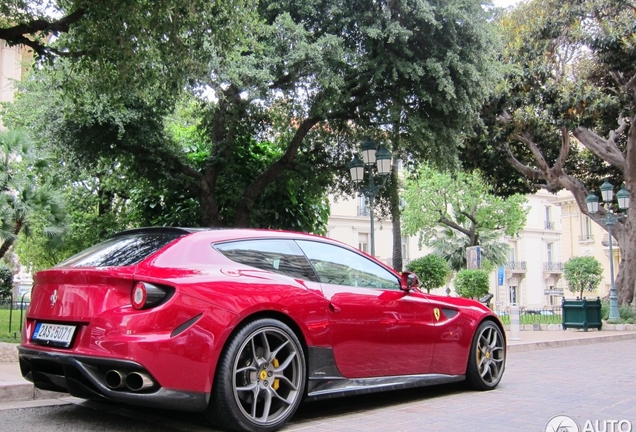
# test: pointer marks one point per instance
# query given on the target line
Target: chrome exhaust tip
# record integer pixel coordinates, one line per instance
(114, 379)
(138, 381)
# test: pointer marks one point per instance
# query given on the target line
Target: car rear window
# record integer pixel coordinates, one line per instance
(122, 250)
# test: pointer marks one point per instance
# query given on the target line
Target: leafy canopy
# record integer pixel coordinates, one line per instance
(460, 201)
(583, 274)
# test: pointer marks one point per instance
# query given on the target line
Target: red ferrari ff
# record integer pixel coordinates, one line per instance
(245, 324)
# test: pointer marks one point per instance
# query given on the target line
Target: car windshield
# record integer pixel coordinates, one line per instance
(123, 250)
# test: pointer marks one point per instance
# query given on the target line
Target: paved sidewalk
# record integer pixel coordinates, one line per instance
(14, 388)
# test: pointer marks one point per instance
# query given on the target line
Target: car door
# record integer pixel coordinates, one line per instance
(376, 328)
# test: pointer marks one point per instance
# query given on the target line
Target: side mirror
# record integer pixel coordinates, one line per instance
(409, 281)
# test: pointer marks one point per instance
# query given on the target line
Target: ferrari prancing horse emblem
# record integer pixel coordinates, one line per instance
(436, 312)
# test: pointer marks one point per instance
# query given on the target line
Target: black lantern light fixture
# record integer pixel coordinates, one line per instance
(374, 160)
(592, 202)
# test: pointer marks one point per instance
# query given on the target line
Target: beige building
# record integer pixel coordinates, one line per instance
(584, 237)
(533, 277)
(13, 61)
(349, 223)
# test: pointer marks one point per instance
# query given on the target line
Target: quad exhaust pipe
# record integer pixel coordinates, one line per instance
(133, 381)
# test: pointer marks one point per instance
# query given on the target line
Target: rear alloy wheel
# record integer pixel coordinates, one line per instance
(260, 378)
(487, 358)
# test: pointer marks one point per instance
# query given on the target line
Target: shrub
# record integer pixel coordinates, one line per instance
(6, 282)
(432, 271)
(471, 283)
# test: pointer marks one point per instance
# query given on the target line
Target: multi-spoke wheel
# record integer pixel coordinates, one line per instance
(487, 358)
(260, 378)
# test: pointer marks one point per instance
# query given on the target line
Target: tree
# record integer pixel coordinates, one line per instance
(583, 274)
(6, 282)
(463, 203)
(451, 246)
(127, 45)
(570, 79)
(312, 80)
(431, 270)
(22, 199)
(471, 283)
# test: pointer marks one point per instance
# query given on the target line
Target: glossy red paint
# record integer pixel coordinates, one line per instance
(373, 332)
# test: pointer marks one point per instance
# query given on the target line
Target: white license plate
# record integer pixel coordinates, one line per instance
(56, 334)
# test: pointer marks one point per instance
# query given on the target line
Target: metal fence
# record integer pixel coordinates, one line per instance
(533, 315)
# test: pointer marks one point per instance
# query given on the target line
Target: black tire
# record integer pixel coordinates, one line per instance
(260, 378)
(487, 358)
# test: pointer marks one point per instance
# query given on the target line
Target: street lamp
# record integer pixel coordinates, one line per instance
(607, 191)
(371, 155)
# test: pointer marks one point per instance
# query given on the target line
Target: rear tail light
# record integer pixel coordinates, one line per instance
(146, 295)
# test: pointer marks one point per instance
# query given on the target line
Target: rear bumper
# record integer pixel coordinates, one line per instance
(85, 377)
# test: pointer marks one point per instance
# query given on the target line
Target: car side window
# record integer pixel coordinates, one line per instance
(340, 266)
(278, 256)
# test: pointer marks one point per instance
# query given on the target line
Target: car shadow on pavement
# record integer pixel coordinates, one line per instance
(313, 410)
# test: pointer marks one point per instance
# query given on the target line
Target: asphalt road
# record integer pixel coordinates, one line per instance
(592, 383)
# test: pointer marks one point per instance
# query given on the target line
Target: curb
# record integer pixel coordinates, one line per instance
(531, 346)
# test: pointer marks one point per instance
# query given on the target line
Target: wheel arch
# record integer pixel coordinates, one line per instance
(272, 314)
(498, 323)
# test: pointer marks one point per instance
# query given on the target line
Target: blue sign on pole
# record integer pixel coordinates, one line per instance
(500, 275)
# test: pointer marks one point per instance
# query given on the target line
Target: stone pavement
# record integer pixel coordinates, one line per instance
(14, 388)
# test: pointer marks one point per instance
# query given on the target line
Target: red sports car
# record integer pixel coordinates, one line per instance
(245, 324)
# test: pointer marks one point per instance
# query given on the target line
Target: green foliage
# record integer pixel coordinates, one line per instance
(6, 282)
(583, 274)
(471, 283)
(461, 201)
(129, 46)
(26, 200)
(431, 270)
(452, 211)
(626, 312)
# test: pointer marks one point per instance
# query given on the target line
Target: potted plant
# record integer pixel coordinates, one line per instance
(582, 274)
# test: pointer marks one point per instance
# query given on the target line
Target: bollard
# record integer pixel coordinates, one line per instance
(514, 323)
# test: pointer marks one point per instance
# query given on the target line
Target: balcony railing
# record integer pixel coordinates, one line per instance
(549, 225)
(516, 265)
(605, 241)
(363, 211)
(553, 266)
(586, 237)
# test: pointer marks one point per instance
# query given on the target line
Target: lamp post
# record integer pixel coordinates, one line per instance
(607, 192)
(381, 158)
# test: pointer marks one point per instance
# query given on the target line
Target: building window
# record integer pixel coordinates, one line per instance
(549, 224)
(586, 229)
(363, 242)
(512, 295)
(549, 252)
(363, 210)
(405, 248)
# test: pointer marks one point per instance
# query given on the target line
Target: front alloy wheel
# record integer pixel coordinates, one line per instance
(261, 378)
(487, 357)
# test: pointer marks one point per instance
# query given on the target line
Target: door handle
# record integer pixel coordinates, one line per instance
(333, 308)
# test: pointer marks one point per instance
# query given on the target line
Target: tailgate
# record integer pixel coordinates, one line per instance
(78, 295)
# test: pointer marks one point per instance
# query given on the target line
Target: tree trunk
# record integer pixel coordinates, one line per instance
(17, 226)
(556, 178)
(394, 185)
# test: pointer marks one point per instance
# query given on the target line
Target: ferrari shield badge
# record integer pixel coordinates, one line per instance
(436, 312)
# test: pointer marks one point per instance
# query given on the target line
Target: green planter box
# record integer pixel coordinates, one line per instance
(581, 314)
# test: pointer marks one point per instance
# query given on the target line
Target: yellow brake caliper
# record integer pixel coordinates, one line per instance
(276, 381)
